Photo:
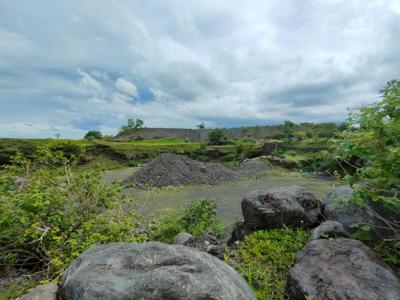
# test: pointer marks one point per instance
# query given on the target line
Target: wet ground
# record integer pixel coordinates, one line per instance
(152, 203)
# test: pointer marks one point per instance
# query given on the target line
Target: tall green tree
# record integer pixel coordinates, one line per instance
(288, 131)
(373, 137)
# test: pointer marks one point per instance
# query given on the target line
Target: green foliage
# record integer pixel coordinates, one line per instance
(264, 259)
(132, 124)
(201, 126)
(94, 134)
(199, 216)
(16, 289)
(370, 148)
(288, 131)
(217, 136)
(374, 138)
(58, 214)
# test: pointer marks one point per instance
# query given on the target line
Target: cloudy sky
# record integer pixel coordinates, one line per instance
(72, 66)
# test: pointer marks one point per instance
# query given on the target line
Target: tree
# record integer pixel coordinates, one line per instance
(216, 136)
(139, 124)
(132, 124)
(373, 136)
(372, 139)
(201, 126)
(288, 131)
(94, 134)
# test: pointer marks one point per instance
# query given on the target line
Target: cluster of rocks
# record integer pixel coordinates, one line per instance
(331, 265)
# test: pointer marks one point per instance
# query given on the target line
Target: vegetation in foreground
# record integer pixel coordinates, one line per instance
(264, 259)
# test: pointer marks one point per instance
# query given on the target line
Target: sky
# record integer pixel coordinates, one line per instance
(72, 66)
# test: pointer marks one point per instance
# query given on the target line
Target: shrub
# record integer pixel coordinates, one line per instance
(264, 259)
(199, 216)
(370, 147)
(94, 134)
(57, 215)
(217, 136)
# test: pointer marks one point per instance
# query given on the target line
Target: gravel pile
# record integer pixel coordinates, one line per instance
(175, 170)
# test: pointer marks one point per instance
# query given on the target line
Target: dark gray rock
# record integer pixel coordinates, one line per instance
(328, 229)
(150, 271)
(207, 243)
(182, 237)
(239, 231)
(341, 269)
(41, 292)
(269, 148)
(337, 207)
(277, 207)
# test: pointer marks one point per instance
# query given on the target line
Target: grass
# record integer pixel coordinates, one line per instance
(264, 259)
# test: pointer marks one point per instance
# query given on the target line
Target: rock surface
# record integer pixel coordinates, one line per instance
(41, 292)
(151, 271)
(341, 269)
(353, 216)
(175, 170)
(182, 237)
(205, 242)
(327, 230)
(277, 207)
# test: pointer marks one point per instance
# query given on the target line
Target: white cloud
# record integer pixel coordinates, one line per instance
(90, 85)
(126, 87)
(226, 63)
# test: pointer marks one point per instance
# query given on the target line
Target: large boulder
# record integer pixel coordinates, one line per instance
(277, 207)
(338, 207)
(339, 269)
(151, 271)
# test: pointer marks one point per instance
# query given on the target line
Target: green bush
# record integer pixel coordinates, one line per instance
(56, 215)
(94, 134)
(370, 147)
(217, 136)
(264, 259)
(199, 216)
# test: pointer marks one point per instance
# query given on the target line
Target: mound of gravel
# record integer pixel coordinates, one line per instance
(174, 170)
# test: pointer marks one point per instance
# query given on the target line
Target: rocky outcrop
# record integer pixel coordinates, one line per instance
(341, 269)
(270, 147)
(328, 230)
(41, 292)
(337, 207)
(277, 207)
(151, 271)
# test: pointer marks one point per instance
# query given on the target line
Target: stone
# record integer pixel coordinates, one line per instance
(276, 207)
(337, 207)
(207, 243)
(269, 148)
(341, 269)
(239, 231)
(42, 292)
(327, 230)
(151, 271)
(182, 237)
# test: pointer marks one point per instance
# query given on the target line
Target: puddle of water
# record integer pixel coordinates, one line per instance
(228, 196)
